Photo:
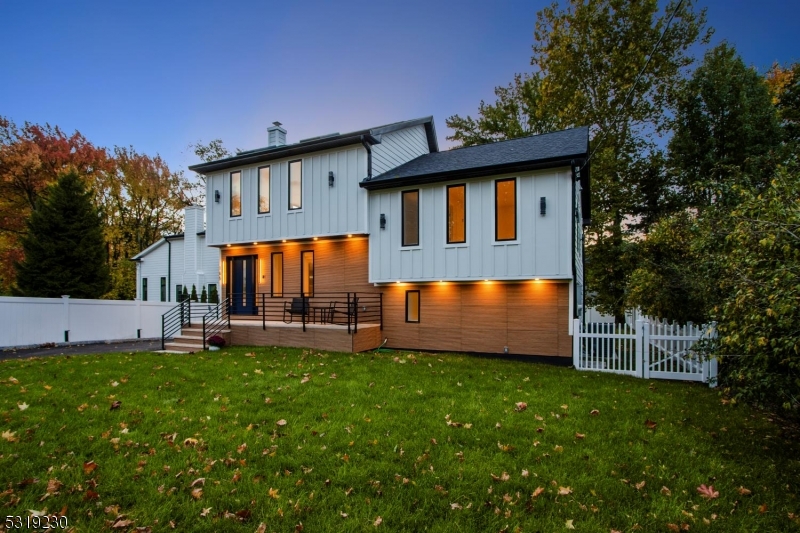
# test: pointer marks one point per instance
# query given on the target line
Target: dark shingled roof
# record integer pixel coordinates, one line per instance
(528, 153)
(325, 142)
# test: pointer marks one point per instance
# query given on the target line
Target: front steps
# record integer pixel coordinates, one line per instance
(190, 340)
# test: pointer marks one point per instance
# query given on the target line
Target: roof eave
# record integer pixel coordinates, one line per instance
(390, 183)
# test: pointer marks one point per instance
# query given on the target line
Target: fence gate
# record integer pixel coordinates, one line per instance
(649, 349)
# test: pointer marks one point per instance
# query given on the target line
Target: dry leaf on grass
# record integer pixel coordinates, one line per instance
(707, 492)
(537, 492)
(89, 467)
(564, 491)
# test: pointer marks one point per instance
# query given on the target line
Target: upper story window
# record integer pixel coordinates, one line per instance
(263, 190)
(410, 223)
(236, 193)
(296, 184)
(505, 209)
(456, 214)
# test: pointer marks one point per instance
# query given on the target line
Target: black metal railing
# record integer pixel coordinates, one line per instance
(215, 320)
(341, 308)
(181, 316)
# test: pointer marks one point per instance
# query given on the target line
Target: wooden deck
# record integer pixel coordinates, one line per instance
(331, 337)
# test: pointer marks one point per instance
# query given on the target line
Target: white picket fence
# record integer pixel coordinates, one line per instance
(36, 321)
(649, 348)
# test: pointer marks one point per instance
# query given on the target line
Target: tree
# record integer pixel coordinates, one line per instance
(194, 293)
(725, 126)
(184, 294)
(213, 297)
(64, 247)
(31, 159)
(587, 61)
(204, 296)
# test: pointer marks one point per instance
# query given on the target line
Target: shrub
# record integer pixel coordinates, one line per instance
(217, 341)
(203, 296)
(194, 293)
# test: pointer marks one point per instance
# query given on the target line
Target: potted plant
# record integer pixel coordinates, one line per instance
(215, 342)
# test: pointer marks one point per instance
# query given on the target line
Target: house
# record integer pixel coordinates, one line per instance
(179, 261)
(476, 249)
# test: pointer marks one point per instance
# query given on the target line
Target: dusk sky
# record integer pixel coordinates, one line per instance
(161, 75)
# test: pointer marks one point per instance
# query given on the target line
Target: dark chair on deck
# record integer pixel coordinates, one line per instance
(298, 306)
(344, 311)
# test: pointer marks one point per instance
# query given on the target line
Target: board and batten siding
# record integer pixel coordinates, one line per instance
(543, 247)
(398, 147)
(325, 210)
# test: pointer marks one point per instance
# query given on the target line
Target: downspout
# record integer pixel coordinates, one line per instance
(169, 268)
(368, 147)
(574, 271)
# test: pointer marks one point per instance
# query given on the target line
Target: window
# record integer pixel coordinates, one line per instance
(412, 306)
(144, 289)
(456, 214)
(295, 184)
(410, 218)
(178, 293)
(307, 273)
(236, 193)
(277, 275)
(505, 209)
(163, 289)
(263, 190)
(213, 294)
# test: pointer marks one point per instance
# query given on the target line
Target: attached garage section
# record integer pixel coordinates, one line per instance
(528, 317)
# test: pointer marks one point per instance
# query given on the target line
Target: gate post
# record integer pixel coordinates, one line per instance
(643, 347)
(576, 343)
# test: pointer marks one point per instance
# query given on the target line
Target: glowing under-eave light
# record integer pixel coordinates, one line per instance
(228, 245)
(316, 238)
(255, 243)
(350, 235)
(398, 281)
(535, 279)
(284, 240)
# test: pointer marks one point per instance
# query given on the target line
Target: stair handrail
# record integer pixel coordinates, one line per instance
(217, 319)
(173, 320)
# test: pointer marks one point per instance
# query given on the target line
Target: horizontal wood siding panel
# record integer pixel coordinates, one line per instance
(528, 317)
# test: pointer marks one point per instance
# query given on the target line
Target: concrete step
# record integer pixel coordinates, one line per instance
(184, 339)
(183, 347)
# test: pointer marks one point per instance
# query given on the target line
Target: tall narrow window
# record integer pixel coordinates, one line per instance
(163, 289)
(296, 184)
(178, 293)
(144, 289)
(277, 275)
(412, 306)
(505, 209)
(236, 193)
(456, 214)
(410, 218)
(213, 295)
(307, 273)
(263, 190)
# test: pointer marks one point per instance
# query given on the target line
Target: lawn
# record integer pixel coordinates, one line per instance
(265, 439)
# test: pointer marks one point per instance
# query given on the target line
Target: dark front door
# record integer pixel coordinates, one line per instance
(242, 285)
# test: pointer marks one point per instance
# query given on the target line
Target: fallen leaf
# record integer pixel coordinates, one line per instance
(22, 406)
(262, 528)
(281, 422)
(594, 412)
(745, 492)
(520, 406)
(640, 486)
(197, 494)
(569, 525)
(122, 524)
(342, 514)
(665, 491)
(242, 447)
(9, 436)
(558, 448)
(115, 405)
(708, 492)
(537, 492)
(273, 493)
(525, 473)
(564, 491)
(13, 380)
(91, 495)
(89, 467)
(378, 521)
(205, 511)
(673, 527)
(199, 481)
(762, 508)
(565, 407)
(455, 505)
(190, 441)
(580, 436)
(53, 486)
(650, 424)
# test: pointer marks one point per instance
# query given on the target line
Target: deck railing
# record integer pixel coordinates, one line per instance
(181, 316)
(341, 308)
(215, 320)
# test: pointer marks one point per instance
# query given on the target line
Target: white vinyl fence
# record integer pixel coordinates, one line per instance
(649, 348)
(35, 321)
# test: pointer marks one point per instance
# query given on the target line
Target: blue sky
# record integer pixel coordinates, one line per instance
(161, 75)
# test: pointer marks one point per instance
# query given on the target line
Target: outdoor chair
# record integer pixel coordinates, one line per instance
(344, 310)
(298, 306)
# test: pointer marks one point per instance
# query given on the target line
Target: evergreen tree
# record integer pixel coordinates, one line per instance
(214, 296)
(184, 294)
(194, 293)
(203, 296)
(65, 252)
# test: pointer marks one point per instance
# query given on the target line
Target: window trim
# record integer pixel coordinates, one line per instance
(419, 306)
(144, 289)
(230, 184)
(269, 190)
(302, 274)
(497, 212)
(289, 188)
(447, 215)
(403, 219)
(272, 292)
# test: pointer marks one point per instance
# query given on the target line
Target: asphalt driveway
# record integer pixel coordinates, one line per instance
(146, 345)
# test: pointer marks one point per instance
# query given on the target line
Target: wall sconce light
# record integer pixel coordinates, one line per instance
(330, 178)
(383, 221)
(216, 196)
(543, 206)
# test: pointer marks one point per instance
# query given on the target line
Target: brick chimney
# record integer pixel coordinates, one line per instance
(276, 135)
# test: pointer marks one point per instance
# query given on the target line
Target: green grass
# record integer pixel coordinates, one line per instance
(373, 441)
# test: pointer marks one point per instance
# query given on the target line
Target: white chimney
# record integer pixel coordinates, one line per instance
(277, 135)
